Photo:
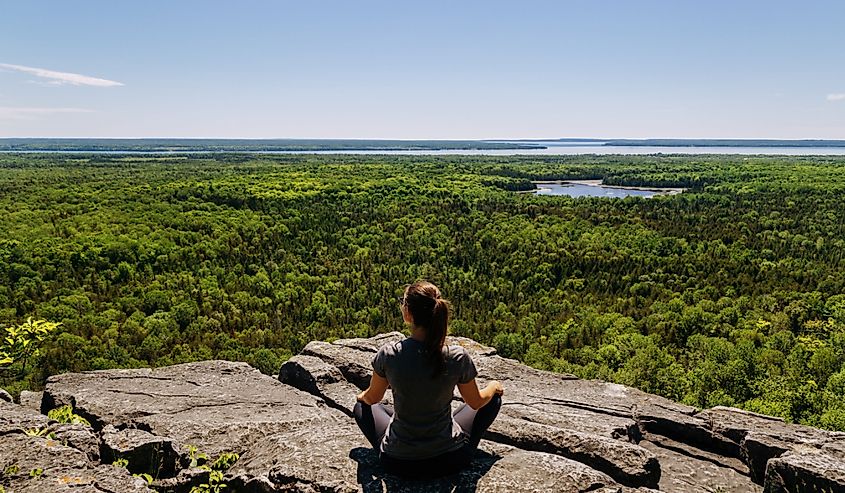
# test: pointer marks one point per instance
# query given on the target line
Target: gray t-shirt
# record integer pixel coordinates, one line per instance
(422, 425)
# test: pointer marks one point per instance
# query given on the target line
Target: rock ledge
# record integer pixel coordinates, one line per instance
(554, 433)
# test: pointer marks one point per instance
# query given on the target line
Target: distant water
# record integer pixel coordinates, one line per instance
(578, 148)
(573, 150)
(582, 190)
(552, 148)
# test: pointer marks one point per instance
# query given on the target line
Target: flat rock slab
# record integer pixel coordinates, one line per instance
(535, 395)
(217, 406)
(805, 471)
(31, 400)
(78, 436)
(600, 424)
(18, 419)
(685, 468)
(315, 376)
(554, 433)
(340, 460)
(760, 438)
(145, 452)
(625, 462)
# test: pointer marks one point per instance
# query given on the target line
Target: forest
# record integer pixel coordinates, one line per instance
(731, 293)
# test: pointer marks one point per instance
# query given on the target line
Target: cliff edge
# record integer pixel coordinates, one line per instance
(295, 433)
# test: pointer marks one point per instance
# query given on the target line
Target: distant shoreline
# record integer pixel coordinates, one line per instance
(830, 143)
(251, 145)
(559, 147)
(530, 146)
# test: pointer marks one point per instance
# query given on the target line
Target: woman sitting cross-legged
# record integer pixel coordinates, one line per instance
(422, 438)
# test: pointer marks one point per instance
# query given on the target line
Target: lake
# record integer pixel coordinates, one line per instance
(577, 148)
(594, 188)
(552, 148)
(571, 150)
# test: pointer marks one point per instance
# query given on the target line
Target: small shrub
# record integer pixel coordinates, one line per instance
(215, 470)
(41, 433)
(65, 415)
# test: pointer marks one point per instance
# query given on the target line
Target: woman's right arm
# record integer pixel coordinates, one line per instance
(375, 392)
(477, 399)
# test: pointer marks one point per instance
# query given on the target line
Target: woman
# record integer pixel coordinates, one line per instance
(422, 438)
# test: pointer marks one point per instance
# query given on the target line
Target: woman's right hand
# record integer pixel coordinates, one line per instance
(496, 386)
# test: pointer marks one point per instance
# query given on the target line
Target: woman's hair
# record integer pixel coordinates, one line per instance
(431, 312)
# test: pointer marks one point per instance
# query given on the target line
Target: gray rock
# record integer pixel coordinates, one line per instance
(31, 400)
(760, 438)
(758, 449)
(554, 433)
(217, 406)
(287, 438)
(46, 465)
(637, 438)
(145, 452)
(354, 364)
(581, 431)
(78, 436)
(338, 459)
(184, 481)
(805, 471)
(625, 462)
(684, 467)
(319, 378)
(372, 344)
(18, 419)
(5, 396)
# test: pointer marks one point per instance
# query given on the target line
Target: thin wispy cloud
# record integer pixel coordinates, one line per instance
(18, 113)
(61, 78)
(840, 96)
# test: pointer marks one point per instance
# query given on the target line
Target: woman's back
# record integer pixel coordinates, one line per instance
(421, 437)
(422, 425)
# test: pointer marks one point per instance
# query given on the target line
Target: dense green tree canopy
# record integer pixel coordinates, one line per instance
(732, 293)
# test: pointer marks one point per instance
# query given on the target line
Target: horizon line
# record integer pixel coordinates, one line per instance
(451, 139)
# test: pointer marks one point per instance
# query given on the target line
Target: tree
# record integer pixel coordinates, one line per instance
(20, 344)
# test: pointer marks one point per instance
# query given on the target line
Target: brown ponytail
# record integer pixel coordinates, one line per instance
(431, 312)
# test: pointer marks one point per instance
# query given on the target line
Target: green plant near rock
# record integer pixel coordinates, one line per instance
(122, 462)
(196, 457)
(41, 433)
(224, 461)
(146, 477)
(215, 484)
(216, 468)
(65, 415)
(7, 472)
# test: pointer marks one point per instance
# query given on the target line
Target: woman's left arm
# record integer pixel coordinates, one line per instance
(375, 392)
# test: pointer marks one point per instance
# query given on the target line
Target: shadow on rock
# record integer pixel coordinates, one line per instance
(374, 479)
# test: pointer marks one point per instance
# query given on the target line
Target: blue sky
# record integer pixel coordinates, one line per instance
(341, 69)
